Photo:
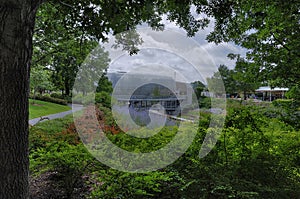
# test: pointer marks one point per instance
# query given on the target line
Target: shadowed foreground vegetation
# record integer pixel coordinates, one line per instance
(257, 156)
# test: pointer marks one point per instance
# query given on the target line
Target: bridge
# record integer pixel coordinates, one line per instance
(170, 104)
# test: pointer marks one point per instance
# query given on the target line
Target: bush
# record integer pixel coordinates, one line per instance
(284, 103)
(156, 184)
(88, 99)
(47, 94)
(204, 102)
(57, 95)
(255, 157)
(294, 93)
(84, 99)
(77, 99)
(288, 111)
(49, 99)
(60, 96)
(69, 162)
(68, 99)
(103, 98)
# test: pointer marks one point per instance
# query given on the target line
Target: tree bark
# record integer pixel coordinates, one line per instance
(17, 19)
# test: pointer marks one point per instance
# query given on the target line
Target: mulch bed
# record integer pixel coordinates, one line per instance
(47, 186)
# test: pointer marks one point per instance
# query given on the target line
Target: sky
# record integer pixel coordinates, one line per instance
(171, 52)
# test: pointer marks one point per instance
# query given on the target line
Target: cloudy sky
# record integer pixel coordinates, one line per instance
(172, 53)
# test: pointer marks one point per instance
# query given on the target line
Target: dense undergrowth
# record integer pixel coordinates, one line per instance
(257, 156)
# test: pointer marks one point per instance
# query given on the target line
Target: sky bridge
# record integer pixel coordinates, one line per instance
(170, 104)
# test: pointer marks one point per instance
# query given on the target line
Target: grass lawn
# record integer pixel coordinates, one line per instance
(41, 108)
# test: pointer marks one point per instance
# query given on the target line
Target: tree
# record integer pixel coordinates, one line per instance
(39, 80)
(58, 48)
(104, 85)
(198, 87)
(92, 18)
(268, 29)
(245, 76)
(228, 80)
(294, 93)
(16, 32)
(93, 73)
(215, 84)
(66, 62)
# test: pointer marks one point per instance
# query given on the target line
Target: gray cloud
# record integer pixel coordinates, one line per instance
(194, 58)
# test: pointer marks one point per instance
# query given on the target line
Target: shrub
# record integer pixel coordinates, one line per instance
(68, 98)
(47, 94)
(61, 96)
(69, 162)
(103, 98)
(57, 95)
(77, 99)
(294, 93)
(204, 102)
(58, 130)
(284, 103)
(255, 157)
(84, 99)
(88, 99)
(156, 184)
(49, 99)
(288, 111)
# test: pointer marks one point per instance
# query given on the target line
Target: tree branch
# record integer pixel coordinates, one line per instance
(66, 4)
(284, 46)
(44, 56)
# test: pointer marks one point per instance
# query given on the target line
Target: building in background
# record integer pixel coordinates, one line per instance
(267, 93)
(142, 91)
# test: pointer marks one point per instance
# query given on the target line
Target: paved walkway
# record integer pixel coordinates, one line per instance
(75, 107)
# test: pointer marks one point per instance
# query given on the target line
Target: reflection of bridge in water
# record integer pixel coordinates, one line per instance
(170, 104)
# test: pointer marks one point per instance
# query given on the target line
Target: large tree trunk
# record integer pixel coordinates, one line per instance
(17, 19)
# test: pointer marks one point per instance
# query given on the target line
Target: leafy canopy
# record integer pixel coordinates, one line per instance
(268, 29)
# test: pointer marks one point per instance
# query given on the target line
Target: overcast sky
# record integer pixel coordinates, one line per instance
(171, 52)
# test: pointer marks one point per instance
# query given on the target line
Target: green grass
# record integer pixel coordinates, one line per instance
(52, 127)
(41, 108)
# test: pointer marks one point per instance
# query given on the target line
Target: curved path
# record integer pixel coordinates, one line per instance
(75, 107)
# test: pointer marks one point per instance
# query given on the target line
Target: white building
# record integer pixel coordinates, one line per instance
(268, 93)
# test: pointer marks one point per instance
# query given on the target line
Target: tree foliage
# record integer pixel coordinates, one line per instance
(93, 70)
(65, 31)
(256, 157)
(242, 79)
(294, 93)
(245, 75)
(215, 84)
(268, 29)
(60, 49)
(228, 80)
(198, 87)
(40, 80)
